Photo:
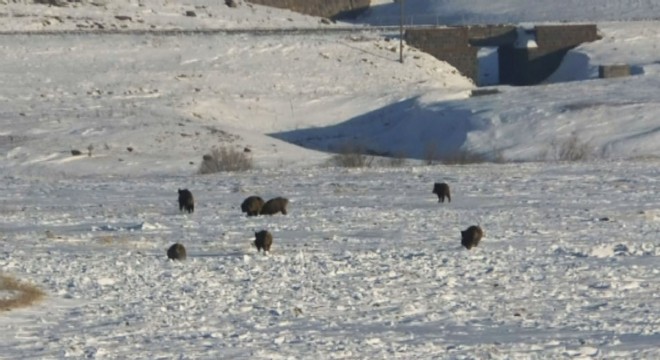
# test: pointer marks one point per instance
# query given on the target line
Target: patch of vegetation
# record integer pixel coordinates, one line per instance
(225, 159)
(18, 294)
(352, 156)
(463, 157)
(396, 160)
(459, 157)
(431, 154)
(570, 149)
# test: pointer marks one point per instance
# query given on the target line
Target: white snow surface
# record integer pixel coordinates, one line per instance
(366, 264)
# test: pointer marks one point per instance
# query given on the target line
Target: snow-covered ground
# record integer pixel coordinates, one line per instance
(367, 264)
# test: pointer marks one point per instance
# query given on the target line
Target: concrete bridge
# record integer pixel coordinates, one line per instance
(525, 55)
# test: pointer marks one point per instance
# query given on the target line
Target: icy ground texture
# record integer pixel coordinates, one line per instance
(366, 265)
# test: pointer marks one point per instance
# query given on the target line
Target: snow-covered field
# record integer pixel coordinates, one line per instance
(367, 264)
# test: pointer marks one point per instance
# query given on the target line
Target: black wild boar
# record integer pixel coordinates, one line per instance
(252, 205)
(176, 252)
(442, 190)
(471, 236)
(273, 206)
(186, 200)
(263, 240)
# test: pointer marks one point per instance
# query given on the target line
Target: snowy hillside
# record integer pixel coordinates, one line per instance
(173, 98)
(187, 93)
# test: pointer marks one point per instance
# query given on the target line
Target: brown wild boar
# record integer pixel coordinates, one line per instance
(252, 205)
(275, 205)
(263, 240)
(471, 236)
(442, 190)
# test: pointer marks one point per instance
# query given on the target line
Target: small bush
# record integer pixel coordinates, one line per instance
(459, 157)
(573, 149)
(431, 154)
(352, 156)
(51, 2)
(464, 157)
(498, 157)
(397, 160)
(22, 295)
(225, 159)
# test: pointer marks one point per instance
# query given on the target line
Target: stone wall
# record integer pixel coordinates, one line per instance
(492, 35)
(331, 9)
(565, 35)
(448, 44)
(611, 71)
(523, 66)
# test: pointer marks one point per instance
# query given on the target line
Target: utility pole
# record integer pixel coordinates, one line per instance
(401, 33)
